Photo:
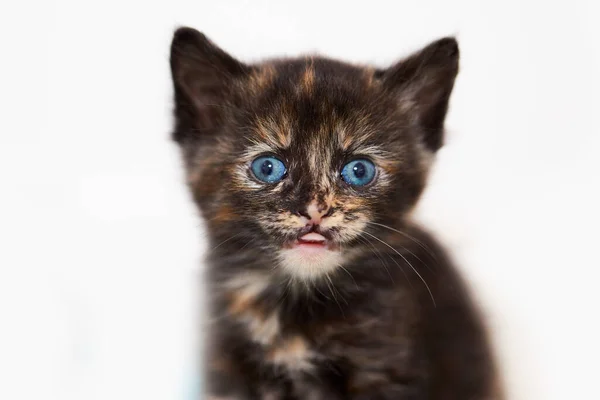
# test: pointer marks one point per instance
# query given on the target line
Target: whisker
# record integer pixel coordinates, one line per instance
(378, 254)
(417, 241)
(331, 290)
(399, 267)
(226, 240)
(337, 291)
(286, 291)
(349, 274)
(323, 294)
(250, 241)
(427, 250)
(408, 262)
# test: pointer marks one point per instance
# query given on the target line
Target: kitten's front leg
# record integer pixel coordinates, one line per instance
(382, 370)
(391, 392)
(367, 385)
(223, 381)
(308, 387)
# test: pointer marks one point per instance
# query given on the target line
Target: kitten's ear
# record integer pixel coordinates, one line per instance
(423, 83)
(202, 75)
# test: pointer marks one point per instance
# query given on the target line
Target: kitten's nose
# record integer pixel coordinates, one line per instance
(316, 212)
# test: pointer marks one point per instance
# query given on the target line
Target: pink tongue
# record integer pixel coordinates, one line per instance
(313, 237)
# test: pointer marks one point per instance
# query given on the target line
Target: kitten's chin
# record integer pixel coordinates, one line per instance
(309, 260)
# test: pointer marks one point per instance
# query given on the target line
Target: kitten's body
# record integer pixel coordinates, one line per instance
(377, 311)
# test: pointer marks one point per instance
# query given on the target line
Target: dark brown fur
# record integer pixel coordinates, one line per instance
(394, 321)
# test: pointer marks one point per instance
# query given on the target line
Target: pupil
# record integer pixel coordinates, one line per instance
(267, 168)
(359, 170)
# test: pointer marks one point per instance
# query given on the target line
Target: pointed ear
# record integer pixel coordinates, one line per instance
(202, 74)
(423, 83)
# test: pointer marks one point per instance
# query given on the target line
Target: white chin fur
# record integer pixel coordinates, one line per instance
(309, 265)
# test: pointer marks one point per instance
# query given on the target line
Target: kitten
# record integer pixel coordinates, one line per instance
(306, 171)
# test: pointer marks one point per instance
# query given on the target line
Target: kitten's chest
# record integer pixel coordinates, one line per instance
(285, 333)
(286, 339)
(306, 345)
(296, 335)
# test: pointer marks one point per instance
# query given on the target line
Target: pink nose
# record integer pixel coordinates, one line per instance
(317, 212)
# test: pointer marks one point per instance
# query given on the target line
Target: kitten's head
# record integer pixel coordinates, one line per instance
(300, 157)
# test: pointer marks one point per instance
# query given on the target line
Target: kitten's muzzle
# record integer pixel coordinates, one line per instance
(309, 229)
(315, 213)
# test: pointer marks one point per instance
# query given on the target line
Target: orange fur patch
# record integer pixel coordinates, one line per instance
(262, 78)
(293, 353)
(307, 80)
(276, 133)
(224, 213)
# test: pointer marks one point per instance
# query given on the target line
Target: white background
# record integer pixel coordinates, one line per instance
(99, 242)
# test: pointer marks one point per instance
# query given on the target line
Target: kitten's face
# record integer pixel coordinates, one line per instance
(302, 158)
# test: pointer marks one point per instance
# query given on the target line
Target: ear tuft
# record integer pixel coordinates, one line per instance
(423, 83)
(445, 49)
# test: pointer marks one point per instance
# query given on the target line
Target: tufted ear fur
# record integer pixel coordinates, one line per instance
(423, 83)
(202, 76)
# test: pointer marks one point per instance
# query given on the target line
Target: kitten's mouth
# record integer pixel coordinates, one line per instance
(312, 239)
(313, 242)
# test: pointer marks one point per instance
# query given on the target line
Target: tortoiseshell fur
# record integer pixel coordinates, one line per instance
(386, 317)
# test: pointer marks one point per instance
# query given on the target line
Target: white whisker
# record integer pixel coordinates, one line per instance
(421, 244)
(408, 262)
(331, 289)
(226, 240)
(349, 274)
(378, 254)
(250, 241)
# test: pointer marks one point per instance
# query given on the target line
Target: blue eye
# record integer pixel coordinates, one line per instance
(268, 169)
(359, 172)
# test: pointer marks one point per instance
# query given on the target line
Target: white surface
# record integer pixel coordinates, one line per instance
(100, 243)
